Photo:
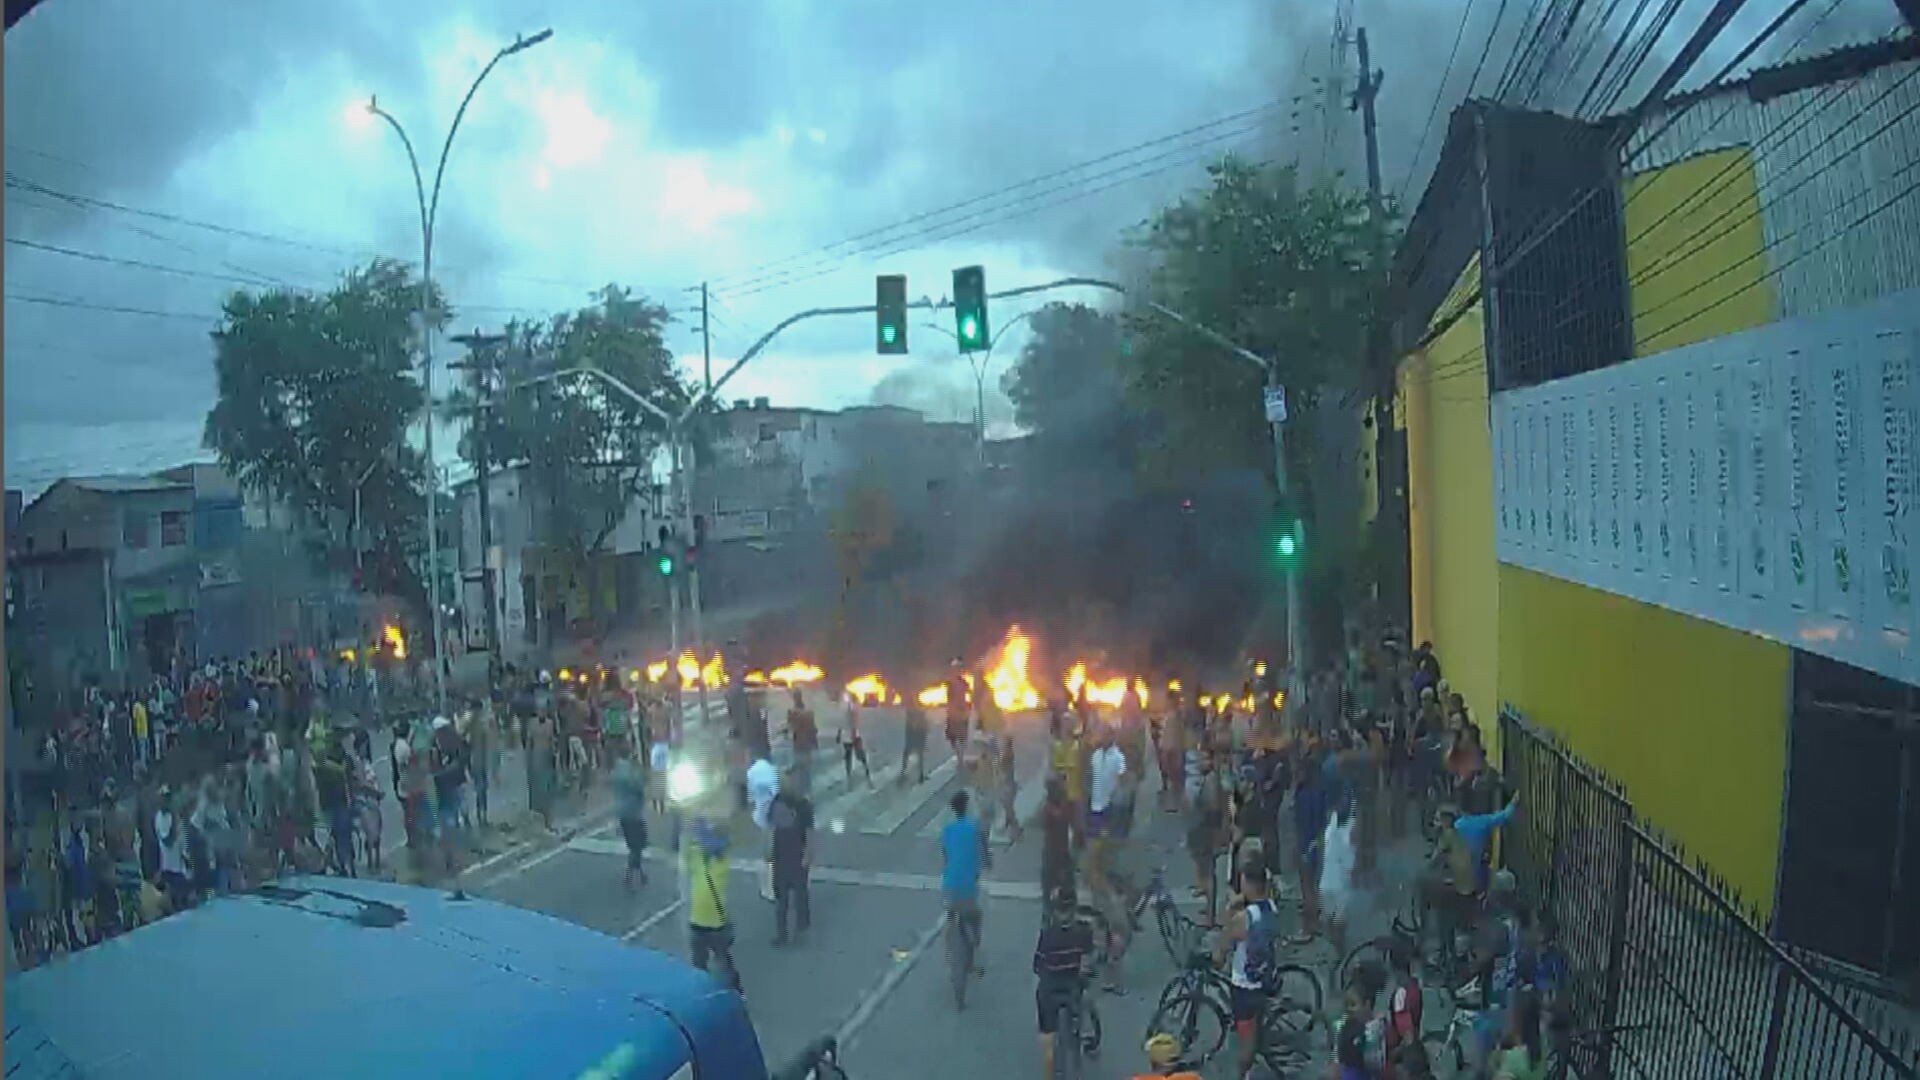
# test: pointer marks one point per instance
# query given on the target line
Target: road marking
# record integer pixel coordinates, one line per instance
(1026, 801)
(896, 815)
(653, 920)
(835, 814)
(890, 980)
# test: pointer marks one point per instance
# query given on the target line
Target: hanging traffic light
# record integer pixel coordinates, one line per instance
(665, 563)
(1289, 539)
(970, 308)
(890, 306)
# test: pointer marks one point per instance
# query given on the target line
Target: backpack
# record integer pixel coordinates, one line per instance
(1263, 941)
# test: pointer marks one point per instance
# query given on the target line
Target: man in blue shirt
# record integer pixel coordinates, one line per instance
(964, 855)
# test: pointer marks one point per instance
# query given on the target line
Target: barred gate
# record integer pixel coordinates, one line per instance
(1660, 951)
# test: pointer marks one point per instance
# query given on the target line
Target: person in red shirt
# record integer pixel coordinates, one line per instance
(1405, 1006)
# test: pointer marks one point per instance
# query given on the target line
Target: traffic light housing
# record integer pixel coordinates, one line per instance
(1289, 538)
(970, 308)
(890, 307)
(666, 563)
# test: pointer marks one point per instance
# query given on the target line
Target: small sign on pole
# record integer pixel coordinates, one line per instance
(1275, 398)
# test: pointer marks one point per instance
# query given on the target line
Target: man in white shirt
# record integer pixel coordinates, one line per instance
(1104, 769)
(763, 785)
(173, 851)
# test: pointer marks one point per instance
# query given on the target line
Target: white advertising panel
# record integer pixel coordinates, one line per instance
(1764, 480)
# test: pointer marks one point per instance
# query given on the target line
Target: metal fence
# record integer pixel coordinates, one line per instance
(1661, 952)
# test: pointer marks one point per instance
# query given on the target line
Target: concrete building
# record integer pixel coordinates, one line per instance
(1661, 467)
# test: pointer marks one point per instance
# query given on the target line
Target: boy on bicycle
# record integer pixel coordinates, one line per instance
(1059, 963)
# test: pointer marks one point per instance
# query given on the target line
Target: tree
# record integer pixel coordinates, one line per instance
(590, 450)
(316, 392)
(1285, 270)
(1289, 271)
(1068, 387)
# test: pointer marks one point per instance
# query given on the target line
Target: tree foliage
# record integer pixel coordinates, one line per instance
(590, 449)
(315, 394)
(1283, 268)
(1069, 388)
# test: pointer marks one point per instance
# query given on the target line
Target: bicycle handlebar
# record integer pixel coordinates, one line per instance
(822, 1051)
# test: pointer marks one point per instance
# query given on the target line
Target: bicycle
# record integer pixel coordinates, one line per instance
(1195, 1005)
(819, 1061)
(1080, 1033)
(962, 945)
(1179, 933)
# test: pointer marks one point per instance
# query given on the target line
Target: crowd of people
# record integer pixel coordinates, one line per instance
(211, 779)
(1296, 803)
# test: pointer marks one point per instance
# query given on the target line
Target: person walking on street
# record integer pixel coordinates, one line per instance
(172, 845)
(852, 745)
(540, 765)
(915, 745)
(965, 856)
(763, 785)
(630, 805)
(704, 862)
(791, 820)
(449, 785)
(1059, 959)
(330, 782)
(482, 741)
(1337, 863)
(958, 703)
(1056, 838)
(1009, 789)
(804, 731)
(1106, 767)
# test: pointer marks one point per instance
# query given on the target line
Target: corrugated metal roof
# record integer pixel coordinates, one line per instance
(125, 484)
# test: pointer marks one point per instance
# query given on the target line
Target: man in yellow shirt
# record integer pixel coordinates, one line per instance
(140, 727)
(703, 858)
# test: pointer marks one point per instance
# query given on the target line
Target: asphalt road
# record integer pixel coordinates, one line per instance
(873, 968)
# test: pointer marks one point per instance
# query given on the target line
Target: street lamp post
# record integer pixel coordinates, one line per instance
(429, 210)
(980, 375)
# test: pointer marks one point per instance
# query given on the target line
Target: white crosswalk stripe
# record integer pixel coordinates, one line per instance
(1026, 802)
(894, 816)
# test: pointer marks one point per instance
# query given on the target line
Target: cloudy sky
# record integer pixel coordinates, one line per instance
(159, 156)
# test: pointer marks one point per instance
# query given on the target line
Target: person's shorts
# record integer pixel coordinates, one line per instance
(450, 809)
(1246, 1005)
(1050, 1004)
(1099, 823)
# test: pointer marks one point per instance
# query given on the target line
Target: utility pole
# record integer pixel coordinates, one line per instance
(1380, 369)
(484, 365)
(681, 445)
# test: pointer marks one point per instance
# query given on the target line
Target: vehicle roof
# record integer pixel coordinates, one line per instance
(319, 976)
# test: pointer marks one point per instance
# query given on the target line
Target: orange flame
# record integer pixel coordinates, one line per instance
(688, 668)
(868, 689)
(1012, 691)
(656, 671)
(797, 672)
(1110, 692)
(395, 640)
(755, 678)
(934, 696)
(714, 674)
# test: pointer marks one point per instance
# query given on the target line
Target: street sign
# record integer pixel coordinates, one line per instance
(1275, 398)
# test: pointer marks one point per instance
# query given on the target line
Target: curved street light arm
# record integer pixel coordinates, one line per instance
(413, 162)
(440, 171)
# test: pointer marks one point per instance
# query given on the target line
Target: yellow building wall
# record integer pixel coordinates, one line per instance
(1685, 224)
(1689, 716)
(1443, 392)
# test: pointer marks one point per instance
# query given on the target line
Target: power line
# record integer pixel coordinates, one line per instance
(752, 276)
(1493, 32)
(993, 216)
(55, 301)
(94, 256)
(1439, 95)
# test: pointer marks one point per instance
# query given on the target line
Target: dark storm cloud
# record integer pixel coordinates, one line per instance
(115, 94)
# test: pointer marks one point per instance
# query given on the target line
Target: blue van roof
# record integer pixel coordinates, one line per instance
(320, 976)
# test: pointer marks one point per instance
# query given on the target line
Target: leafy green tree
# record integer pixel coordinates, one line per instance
(1285, 269)
(1069, 388)
(590, 449)
(315, 394)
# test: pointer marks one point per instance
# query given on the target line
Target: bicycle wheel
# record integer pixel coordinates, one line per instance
(1445, 1059)
(1299, 986)
(1374, 952)
(1096, 921)
(1090, 1030)
(1181, 935)
(1197, 1021)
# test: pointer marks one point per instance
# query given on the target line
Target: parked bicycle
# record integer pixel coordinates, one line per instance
(1178, 932)
(1194, 1007)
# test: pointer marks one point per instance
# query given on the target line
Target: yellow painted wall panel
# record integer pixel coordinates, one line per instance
(1450, 502)
(1695, 264)
(1691, 717)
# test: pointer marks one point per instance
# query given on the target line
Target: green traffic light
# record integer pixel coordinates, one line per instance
(970, 329)
(1286, 544)
(889, 334)
(666, 566)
